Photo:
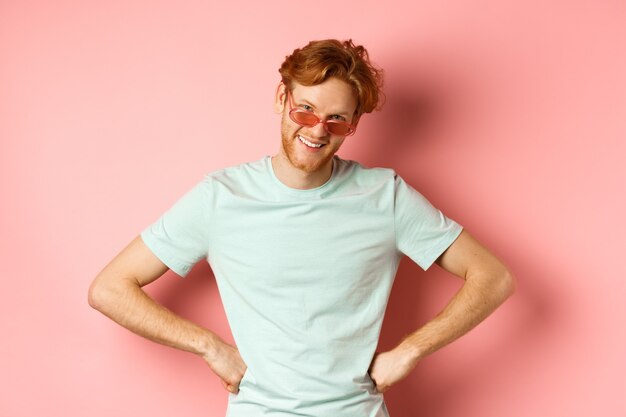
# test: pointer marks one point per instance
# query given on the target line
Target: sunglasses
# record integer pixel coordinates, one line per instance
(309, 119)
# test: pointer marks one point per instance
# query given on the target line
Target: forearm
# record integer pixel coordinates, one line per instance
(480, 295)
(128, 305)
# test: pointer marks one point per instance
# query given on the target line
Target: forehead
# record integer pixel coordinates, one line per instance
(333, 96)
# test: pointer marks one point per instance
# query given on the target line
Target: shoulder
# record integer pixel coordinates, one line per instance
(355, 178)
(359, 171)
(235, 174)
(382, 177)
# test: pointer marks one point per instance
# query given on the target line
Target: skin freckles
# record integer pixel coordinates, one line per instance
(299, 158)
(295, 165)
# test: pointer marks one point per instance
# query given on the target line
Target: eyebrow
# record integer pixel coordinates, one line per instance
(305, 101)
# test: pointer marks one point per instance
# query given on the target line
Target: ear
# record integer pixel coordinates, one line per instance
(280, 99)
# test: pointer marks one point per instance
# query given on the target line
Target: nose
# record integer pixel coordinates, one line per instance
(319, 130)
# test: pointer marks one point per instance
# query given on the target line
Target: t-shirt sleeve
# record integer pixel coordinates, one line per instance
(179, 238)
(423, 232)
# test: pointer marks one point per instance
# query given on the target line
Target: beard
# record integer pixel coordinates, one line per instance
(299, 158)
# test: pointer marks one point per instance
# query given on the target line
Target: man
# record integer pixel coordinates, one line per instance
(304, 247)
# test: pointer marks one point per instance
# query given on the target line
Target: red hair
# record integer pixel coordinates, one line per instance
(321, 60)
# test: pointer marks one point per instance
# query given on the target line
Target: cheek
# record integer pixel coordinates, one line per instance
(337, 142)
(289, 127)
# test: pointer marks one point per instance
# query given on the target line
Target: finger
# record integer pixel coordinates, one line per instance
(228, 387)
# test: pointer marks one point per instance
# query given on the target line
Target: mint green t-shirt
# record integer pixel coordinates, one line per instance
(304, 276)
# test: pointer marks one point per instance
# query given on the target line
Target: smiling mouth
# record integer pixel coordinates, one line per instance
(309, 143)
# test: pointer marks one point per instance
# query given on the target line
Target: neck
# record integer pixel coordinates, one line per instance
(296, 178)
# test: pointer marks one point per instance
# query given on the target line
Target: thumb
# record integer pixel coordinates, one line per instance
(227, 386)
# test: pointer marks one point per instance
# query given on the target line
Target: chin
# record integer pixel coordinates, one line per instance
(298, 157)
(306, 163)
(308, 167)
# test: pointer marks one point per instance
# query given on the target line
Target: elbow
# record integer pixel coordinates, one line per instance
(108, 293)
(497, 283)
(100, 294)
(506, 284)
(95, 295)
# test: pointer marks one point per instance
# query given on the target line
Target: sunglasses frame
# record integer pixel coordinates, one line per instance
(326, 123)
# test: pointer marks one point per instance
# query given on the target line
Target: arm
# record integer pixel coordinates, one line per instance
(487, 284)
(116, 292)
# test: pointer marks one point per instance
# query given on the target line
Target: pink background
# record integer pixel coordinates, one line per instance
(509, 116)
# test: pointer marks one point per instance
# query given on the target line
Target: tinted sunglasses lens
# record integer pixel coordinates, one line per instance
(304, 118)
(339, 128)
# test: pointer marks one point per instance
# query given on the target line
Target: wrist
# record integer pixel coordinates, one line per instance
(410, 350)
(207, 345)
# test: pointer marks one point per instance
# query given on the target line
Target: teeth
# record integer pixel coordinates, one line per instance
(307, 143)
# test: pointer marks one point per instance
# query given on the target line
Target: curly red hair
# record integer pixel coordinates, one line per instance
(323, 59)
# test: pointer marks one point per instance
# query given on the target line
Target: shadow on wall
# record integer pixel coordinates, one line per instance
(423, 106)
(406, 118)
(194, 297)
(445, 381)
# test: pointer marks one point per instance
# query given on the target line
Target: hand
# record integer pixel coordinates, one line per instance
(227, 364)
(387, 368)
